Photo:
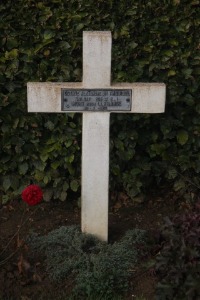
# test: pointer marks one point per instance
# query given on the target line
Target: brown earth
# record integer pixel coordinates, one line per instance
(22, 272)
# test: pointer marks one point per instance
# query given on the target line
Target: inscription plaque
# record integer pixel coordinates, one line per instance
(96, 99)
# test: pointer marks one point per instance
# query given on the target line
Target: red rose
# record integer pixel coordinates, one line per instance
(32, 194)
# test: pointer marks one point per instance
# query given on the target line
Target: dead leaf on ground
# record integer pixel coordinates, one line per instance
(20, 242)
(23, 265)
(37, 278)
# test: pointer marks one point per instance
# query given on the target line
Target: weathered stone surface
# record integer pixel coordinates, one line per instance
(146, 97)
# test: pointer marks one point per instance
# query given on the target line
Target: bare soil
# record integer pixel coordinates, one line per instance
(22, 272)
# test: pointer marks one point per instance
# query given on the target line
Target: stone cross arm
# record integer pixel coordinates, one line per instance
(46, 96)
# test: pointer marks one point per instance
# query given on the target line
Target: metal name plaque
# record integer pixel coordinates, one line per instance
(96, 100)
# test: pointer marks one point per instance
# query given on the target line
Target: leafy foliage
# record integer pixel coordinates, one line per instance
(154, 42)
(99, 268)
(178, 264)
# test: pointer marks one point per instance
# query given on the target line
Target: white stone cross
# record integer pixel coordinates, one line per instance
(96, 98)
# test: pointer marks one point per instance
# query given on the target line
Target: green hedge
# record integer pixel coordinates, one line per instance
(153, 41)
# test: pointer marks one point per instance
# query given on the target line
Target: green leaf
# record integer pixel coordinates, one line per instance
(168, 53)
(172, 173)
(182, 137)
(187, 72)
(72, 125)
(135, 171)
(16, 123)
(55, 164)
(119, 145)
(11, 54)
(116, 170)
(42, 45)
(49, 125)
(48, 34)
(133, 45)
(68, 143)
(12, 42)
(15, 182)
(171, 73)
(47, 195)
(64, 45)
(39, 165)
(74, 185)
(44, 157)
(79, 27)
(65, 186)
(179, 185)
(39, 175)
(70, 158)
(6, 183)
(63, 196)
(23, 168)
(46, 179)
(158, 148)
(5, 199)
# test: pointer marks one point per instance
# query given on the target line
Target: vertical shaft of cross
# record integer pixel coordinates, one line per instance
(95, 138)
(96, 59)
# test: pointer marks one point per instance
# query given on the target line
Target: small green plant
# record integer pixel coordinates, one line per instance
(178, 265)
(98, 268)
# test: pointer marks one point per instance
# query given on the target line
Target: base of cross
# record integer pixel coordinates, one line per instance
(96, 98)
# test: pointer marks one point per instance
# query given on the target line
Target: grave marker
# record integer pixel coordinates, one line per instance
(95, 97)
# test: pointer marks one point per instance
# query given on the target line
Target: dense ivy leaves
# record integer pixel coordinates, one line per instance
(152, 42)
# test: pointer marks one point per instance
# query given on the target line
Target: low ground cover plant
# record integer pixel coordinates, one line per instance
(98, 268)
